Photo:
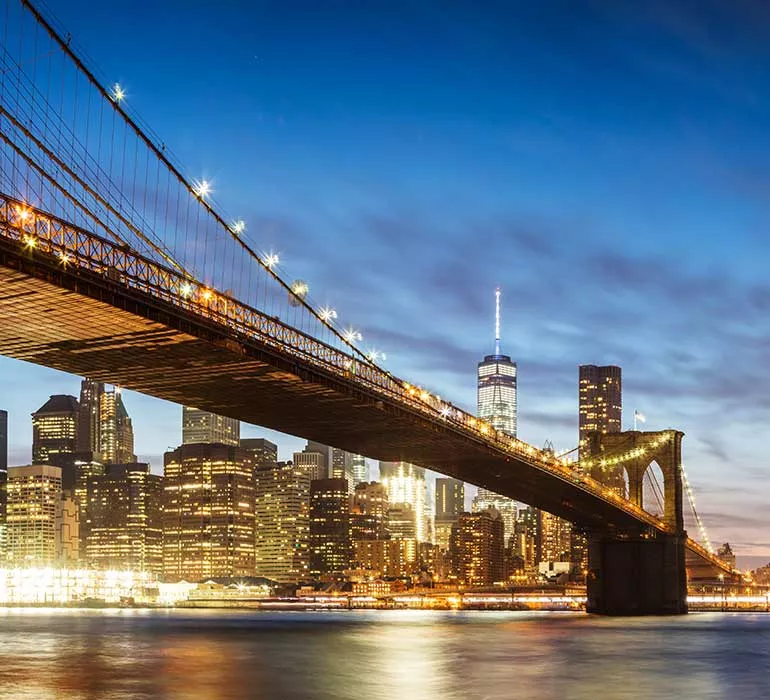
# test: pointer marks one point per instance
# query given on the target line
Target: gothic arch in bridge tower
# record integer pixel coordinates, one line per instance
(638, 450)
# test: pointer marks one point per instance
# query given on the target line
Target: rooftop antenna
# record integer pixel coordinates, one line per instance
(497, 321)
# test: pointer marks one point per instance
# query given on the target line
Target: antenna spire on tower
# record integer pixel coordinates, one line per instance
(497, 321)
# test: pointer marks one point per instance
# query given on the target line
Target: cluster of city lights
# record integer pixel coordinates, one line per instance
(54, 585)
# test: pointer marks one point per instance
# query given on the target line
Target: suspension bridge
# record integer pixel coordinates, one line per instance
(117, 266)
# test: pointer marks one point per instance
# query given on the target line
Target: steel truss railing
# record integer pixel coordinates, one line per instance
(41, 233)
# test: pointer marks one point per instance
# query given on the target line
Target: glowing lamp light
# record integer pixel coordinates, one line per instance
(445, 412)
(299, 290)
(374, 355)
(271, 260)
(206, 294)
(352, 335)
(202, 189)
(64, 258)
(23, 213)
(186, 290)
(30, 242)
(238, 227)
(327, 314)
(118, 93)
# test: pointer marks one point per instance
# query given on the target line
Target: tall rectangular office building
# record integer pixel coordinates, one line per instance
(600, 399)
(204, 427)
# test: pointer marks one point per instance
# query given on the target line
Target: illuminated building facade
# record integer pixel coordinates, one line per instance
(359, 470)
(600, 408)
(86, 466)
(205, 427)
(314, 459)
(54, 435)
(402, 522)
(208, 513)
(116, 433)
(405, 485)
(391, 558)
(555, 538)
(89, 418)
(260, 452)
(449, 505)
(34, 499)
(477, 549)
(506, 507)
(282, 522)
(600, 399)
(342, 466)
(67, 532)
(497, 391)
(369, 514)
(497, 403)
(125, 519)
(330, 549)
(526, 538)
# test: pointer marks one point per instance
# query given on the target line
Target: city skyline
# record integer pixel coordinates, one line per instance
(674, 330)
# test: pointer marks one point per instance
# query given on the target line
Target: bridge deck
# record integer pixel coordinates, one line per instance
(85, 319)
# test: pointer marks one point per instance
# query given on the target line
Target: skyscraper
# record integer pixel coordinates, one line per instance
(405, 485)
(369, 514)
(116, 433)
(497, 393)
(506, 507)
(314, 459)
(208, 513)
(449, 505)
(34, 500)
(600, 399)
(477, 549)
(330, 549)
(359, 470)
(497, 403)
(125, 519)
(200, 426)
(54, 435)
(600, 408)
(281, 521)
(342, 466)
(260, 451)
(89, 442)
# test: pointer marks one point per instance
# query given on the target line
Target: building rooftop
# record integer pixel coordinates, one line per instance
(59, 403)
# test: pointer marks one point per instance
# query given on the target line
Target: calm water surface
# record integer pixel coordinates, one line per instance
(373, 655)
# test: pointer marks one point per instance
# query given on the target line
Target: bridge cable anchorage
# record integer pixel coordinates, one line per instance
(161, 154)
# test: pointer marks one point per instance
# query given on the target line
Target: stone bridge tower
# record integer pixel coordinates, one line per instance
(639, 572)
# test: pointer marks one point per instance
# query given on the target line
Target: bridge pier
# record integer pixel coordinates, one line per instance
(637, 575)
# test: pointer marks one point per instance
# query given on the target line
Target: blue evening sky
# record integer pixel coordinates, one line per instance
(606, 163)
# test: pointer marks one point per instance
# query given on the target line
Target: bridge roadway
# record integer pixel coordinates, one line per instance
(76, 302)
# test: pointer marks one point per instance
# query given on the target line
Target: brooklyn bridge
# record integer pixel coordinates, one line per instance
(117, 266)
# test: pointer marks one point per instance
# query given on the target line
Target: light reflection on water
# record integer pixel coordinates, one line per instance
(378, 655)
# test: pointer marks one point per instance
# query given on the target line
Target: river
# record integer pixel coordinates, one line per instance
(378, 655)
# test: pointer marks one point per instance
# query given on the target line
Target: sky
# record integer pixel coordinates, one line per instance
(606, 164)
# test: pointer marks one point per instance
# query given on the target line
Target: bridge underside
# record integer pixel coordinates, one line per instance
(82, 323)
